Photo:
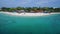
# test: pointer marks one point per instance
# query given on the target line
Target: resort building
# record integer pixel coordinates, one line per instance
(39, 11)
(20, 11)
(32, 11)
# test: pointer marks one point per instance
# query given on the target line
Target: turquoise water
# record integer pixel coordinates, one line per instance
(29, 25)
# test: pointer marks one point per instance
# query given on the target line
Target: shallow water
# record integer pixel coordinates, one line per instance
(29, 25)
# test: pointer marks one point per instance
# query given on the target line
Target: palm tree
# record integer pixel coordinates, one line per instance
(57, 10)
(3, 8)
(20, 8)
(28, 9)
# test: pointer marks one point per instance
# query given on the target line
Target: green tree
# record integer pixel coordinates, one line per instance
(4, 8)
(20, 8)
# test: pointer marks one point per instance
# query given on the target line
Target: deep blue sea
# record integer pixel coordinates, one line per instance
(29, 25)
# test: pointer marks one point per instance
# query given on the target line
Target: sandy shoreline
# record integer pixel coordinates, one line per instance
(29, 14)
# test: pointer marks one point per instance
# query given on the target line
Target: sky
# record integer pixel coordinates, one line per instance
(29, 3)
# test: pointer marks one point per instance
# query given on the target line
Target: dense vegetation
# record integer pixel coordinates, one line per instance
(28, 9)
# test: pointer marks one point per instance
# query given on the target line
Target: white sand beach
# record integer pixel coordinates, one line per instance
(28, 14)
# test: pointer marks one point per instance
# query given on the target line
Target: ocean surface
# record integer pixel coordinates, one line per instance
(29, 25)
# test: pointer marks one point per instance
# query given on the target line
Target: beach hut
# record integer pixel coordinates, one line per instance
(32, 11)
(39, 11)
(46, 11)
(20, 11)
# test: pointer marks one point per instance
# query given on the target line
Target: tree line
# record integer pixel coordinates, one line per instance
(51, 9)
